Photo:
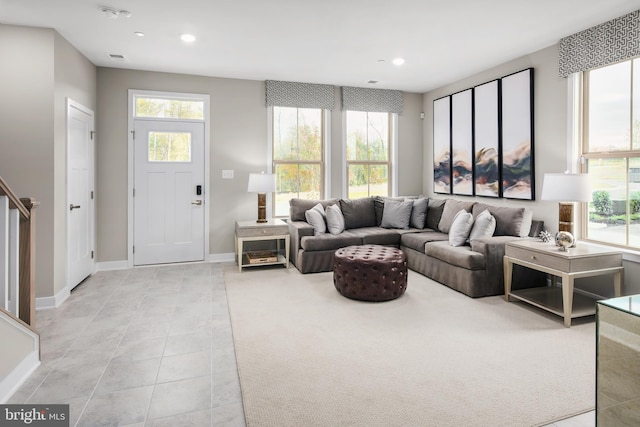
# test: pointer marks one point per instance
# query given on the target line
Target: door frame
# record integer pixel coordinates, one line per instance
(130, 161)
(93, 211)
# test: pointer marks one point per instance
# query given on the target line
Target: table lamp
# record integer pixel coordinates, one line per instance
(566, 188)
(262, 183)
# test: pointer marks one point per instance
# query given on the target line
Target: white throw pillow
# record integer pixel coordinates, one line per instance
(316, 219)
(484, 226)
(335, 220)
(460, 228)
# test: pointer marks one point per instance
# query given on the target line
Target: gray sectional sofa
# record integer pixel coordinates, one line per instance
(475, 268)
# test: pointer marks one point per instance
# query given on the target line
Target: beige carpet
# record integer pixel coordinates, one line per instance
(309, 357)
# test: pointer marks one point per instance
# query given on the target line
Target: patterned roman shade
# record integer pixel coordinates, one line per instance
(601, 45)
(374, 100)
(300, 95)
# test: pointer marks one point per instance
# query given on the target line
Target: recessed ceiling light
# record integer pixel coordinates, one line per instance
(139, 33)
(398, 61)
(188, 38)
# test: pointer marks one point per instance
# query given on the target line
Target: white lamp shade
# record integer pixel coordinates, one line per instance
(261, 183)
(566, 187)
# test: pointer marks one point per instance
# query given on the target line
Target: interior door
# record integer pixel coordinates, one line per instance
(80, 193)
(168, 192)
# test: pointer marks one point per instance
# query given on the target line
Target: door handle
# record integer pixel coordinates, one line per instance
(72, 207)
(197, 202)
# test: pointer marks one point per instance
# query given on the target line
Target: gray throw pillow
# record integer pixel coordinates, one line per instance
(315, 216)
(510, 221)
(434, 213)
(358, 213)
(396, 214)
(419, 213)
(460, 228)
(335, 220)
(451, 208)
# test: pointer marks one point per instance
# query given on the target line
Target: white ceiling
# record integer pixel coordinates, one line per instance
(337, 42)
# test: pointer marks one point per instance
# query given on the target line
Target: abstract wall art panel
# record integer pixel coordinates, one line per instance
(462, 143)
(486, 113)
(442, 145)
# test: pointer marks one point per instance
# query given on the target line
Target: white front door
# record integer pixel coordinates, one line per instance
(168, 200)
(80, 193)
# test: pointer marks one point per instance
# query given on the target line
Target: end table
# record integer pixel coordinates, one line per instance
(252, 231)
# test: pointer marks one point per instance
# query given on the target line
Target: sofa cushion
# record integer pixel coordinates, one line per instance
(326, 242)
(297, 207)
(451, 208)
(416, 241)
(378, 206)
(434, 213)
(460, 256)
(335, 220)
(358, 213)
(461, 227)
(419, 213)
(483, 226)
(377, 236)
(510, 221)
(396, 214)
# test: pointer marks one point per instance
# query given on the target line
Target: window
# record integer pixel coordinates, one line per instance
(164, 108)
(611, 149)
(368, 154)
(298, 155)
(169, 147)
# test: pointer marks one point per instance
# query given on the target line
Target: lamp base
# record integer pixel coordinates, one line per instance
(565, 219)
(262, 208)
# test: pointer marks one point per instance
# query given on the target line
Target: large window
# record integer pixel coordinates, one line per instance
(611, 149)
(298, 155)
(368, 154)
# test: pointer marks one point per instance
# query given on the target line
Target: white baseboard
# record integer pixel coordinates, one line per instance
(12, 382)
(46, 303)
(112, 265)
(225, 257)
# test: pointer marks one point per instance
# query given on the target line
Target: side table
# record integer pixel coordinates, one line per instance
(582, 261)
(251, 231)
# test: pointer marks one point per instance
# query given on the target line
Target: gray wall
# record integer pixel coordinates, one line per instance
(550, 146)
(39, 69)
(238, 142)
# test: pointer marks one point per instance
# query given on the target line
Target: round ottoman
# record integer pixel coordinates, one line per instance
(370, 272)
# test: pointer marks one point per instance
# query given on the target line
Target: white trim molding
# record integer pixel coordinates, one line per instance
(47, 303)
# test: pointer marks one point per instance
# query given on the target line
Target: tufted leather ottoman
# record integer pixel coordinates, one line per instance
(370, 272)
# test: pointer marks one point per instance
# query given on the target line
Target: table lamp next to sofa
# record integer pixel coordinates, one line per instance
(262, 183)
(566, 188)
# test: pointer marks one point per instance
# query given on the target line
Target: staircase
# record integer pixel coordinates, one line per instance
(19, 340)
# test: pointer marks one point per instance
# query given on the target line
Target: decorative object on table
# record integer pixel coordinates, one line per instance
(565, 240)
(261, 257)
(566, 188)
(262, 183)
(545, 236)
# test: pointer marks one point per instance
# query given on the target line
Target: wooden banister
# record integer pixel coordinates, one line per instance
(27, 251)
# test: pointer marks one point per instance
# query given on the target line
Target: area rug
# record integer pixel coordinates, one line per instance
(434, 357)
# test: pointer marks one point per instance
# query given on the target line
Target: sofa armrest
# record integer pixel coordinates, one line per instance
(297, 230)
(493, 250)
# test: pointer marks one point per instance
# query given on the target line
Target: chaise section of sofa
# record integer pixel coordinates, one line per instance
(475, 269)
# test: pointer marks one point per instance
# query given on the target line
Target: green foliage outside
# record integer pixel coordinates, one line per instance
(634, 202)
(169, 147)
(602, 202)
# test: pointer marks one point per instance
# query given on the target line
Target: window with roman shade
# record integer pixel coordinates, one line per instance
(370, 128)
(298, 140)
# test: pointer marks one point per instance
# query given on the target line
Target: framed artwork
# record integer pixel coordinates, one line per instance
(442, 145)
(462, 143)
(486, 137)
(517, 179)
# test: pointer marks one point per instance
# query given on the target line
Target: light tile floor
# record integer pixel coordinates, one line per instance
(147, 347)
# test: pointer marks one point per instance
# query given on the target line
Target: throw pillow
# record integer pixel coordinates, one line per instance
(460, 228)
(335, 220)
(315, 217)
(452, 206)
(434, 213)
(358, 213)
(484, 226)
(419, 213)
(396, 214)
